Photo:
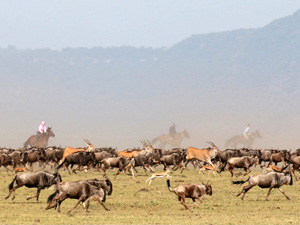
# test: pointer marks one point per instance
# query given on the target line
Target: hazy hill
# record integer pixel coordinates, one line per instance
(212, 85)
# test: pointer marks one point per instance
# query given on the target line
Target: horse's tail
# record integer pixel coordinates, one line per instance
(154, 140)
(27, 142)
(11, 185)
(228, 142)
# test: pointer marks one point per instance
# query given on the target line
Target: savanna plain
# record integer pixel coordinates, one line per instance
(135, 202)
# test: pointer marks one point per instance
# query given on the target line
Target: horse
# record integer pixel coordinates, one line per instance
(40, 140)
(165, 139)
(241, 140)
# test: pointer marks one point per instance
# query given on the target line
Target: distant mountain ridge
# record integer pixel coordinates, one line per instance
(245, 71)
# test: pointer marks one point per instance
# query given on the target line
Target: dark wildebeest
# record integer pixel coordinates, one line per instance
(144, 161)
(99, 156)
(193, 191)
(244, 162)
(81, 190)
(241, 140)
(6, 160)
(80, 159)
(281, 156)
(40, 140)
(295, 161)
(165, 139)
(39, 180)
(36, 156)
(270, 180)
(120, 162)
(174, 159)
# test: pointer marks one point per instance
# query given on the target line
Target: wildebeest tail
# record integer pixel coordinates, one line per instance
(240, 182)
(11, 185)
(51, 197)
(109, 183)
(169, 186)
(223, 167)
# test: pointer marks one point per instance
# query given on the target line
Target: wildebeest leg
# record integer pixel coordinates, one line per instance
(284, 193)
(13, 191)
(145, 170)
(269, 192)
(183, 202)
(37, 195)
(75, 206)
(245, 190)
(293, 171)
(247, 171)
(231, 170)
(101, 203)
(194, 201)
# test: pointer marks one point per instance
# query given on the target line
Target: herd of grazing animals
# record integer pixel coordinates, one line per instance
(102, 159)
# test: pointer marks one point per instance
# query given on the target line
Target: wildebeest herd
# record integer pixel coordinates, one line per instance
(148, 157)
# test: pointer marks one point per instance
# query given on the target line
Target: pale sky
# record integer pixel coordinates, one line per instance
(58, 24)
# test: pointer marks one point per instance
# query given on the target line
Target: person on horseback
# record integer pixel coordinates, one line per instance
(172, 131)
(246, 131)
(42, 128)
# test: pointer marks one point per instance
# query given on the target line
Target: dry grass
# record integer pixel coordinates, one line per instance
(135, 202)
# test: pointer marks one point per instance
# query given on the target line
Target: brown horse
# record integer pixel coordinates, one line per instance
(241, 140)
(165, 139)
(40, 140)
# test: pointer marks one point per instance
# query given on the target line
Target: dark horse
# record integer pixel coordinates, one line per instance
(165, 139)
(40, 140)
(241, 140)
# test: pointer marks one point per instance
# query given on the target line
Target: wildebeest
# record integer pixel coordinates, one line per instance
(174, 159)
(80, 159)
(40, 140)
(270, 180)
(70, 150)
(281, 156)
(193, 191)
(81, 190)
(6, 160)
(295, 161)
(39, 180)
(121, 162)
(244, 162)
(35, 155)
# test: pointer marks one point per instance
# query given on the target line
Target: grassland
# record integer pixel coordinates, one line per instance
(135, 202)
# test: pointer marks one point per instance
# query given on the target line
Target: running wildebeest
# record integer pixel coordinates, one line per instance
(81, 190)
(39, 180)
(193, 191)
(40, 140)
(270, 180)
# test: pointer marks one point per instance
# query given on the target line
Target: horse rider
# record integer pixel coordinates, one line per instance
(172, 131)
(246, 132)
(42, 128)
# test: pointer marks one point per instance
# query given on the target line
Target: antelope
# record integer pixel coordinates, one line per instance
(208, 168)
(156, 175)
(21, 169)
